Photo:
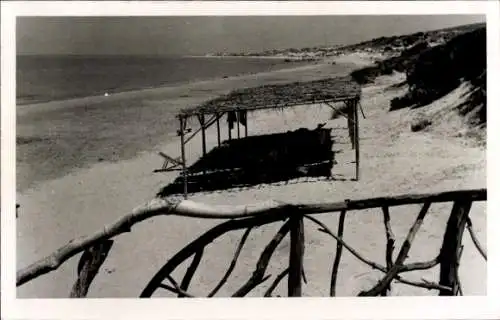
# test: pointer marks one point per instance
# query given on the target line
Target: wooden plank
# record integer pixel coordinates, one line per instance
(176, 161)
(450, 250)
(296, 255)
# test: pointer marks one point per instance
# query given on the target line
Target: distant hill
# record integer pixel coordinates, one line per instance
(387, 44)
(432, 71)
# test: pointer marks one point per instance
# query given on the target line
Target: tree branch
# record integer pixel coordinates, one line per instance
(475, 240)
(88, 267)
(338, 254)
(188, 208)
(203, 241)
(190, 271)
(174, 290)
(233, 263)
(261, 267)
(389, 249)
(403, 253)
(420, 265)
(276, 282)
(325, 229)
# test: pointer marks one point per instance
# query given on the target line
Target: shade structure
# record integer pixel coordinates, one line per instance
(280, 96)
(237, 103)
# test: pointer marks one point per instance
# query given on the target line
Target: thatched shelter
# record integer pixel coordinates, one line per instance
(238, 103)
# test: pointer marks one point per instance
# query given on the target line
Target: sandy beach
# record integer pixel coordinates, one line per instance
(65, 198)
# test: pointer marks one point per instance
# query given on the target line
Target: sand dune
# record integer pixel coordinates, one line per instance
(393, 161)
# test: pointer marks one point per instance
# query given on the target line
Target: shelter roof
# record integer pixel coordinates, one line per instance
(280, 96)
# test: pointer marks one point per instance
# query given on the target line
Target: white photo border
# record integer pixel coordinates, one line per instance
(249, 308)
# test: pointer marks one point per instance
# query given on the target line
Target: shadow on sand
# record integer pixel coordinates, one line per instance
(256, 160)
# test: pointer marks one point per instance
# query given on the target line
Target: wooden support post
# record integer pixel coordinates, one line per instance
(296, 255)
(183, 157)
(356, 130)
(246, 123)
(338, 254)
(201, 118)
(228, 128)
(218, 129)
(238, 122)
(450, 250)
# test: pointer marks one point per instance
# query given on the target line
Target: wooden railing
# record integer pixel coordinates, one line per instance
(96, 247)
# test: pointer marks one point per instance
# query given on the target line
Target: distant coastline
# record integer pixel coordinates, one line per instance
(54, 78)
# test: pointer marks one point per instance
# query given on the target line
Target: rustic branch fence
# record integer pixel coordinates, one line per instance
(95, 248)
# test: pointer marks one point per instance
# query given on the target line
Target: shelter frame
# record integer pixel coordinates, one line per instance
(350, 94)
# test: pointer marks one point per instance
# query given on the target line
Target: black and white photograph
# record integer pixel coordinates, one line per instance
(249, 156)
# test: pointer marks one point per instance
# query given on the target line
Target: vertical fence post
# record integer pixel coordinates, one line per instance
(389, 248)
(229, 126)
(356, 130)
(450, 250)
(246, 123)
(183, 156)
(296, 255)
(338, 254)
(218, 129)
(201, 118)
(238, 122)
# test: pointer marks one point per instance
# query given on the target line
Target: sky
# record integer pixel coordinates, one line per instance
(199, 35)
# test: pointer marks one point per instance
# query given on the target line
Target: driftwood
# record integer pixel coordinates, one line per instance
(251, 216)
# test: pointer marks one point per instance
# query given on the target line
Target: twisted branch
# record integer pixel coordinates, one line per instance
(190, 271)
(276, 281)
(188, 208)
(203, 241)
(233, 263)
(326, 230)
(403, 253)
(258, 274)
(338, 254)
(475, 240)
(390, 243)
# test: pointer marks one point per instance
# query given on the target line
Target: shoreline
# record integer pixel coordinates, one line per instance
(27, 102)
(173, 86)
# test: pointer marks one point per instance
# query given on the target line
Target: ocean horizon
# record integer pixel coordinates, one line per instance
(44, 78)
